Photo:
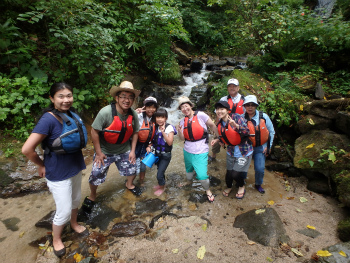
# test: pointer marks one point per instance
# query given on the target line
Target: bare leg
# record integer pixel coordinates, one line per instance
(130, 181)
(73, 222)
(142, 178)
(56, 237)
(93, 191)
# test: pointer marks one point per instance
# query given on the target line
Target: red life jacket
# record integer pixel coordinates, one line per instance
(228, 135)
(236, 107)
(147, 130)
(193, 131)
(259, 134)
(119, 131)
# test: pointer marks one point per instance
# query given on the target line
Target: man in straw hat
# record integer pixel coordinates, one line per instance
(114, 134)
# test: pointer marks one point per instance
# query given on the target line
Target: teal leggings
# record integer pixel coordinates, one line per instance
(198, 163)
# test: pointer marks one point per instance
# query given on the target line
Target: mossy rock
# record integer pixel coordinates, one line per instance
(344, 230)
(342, 181)
(5, 180)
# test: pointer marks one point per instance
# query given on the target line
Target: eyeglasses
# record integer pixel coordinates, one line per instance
(250, 105)
(126, 98)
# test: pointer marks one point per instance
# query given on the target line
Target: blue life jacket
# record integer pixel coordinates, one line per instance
(73, 137)
(159, 143)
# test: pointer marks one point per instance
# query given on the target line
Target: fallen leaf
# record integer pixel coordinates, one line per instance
(311, 227)
(301, 107)
(331, 157)
(297, 252)
(311, 122)
(21, 234)
(77, 257)
(323, 253)
(204, 227)
(310, 146)
(175, 250)
(298, 210)
(303, 199)
(251, 242)
(271, 202)
(259, 211)
(95, 253)
(342, 253)
(290, 198)
(269, 259)
(201, 252)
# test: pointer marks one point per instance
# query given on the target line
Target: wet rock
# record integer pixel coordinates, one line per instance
(214, 76)
(96, 238)
(343, 122)
(336, 257)
(155, 219)
(343, 230)
(214, 181)
(230, 61)
(181, 56)
(198, 198)
(150, 206)
(46, 221)
(216, 64)
(196, 65)
(309, 232)
(5, 179)
(100, 217)
(20, 188)
(319, 92)
(128, 229)
(80, 248)
(41, 240)
(11, 223)
(265, 228)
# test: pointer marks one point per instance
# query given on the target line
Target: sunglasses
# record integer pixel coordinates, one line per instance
(250, 105)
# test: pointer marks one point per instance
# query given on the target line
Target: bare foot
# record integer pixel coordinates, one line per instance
(160, 190)
(156, 187)
(210, 196)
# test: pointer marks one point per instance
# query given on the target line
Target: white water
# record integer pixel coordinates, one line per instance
(194, 79)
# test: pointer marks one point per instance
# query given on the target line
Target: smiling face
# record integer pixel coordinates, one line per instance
(160, 120)
(222, 113)
(124, 100)
(186, 110)
(150, 110)
(250, 108)
(62, 100)
(232, 90)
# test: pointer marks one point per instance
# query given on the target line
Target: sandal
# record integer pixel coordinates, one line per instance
(211, 197)
(87, 205)
(136, 191)
(240, 196)
(225, 193)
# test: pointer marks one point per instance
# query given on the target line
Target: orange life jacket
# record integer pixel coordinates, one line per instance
(147, 130)
(193, 131)
(228, 135)
(259, 134)
(119, 131)
(236, 107)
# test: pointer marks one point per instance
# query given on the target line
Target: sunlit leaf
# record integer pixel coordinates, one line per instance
(251, 242)
(297, 252)
(310, 146)
(21, 234)
(331, 157)
(269, 259)
(323, 253)
(311, 121)
(271, 202)
(342, 253)
(201, 252)
(259, 211)
(311, 227)
(204, 227)
(301, 107)
(77, 257)
(290, 198)
(303, 199)
(175, 250)
(298, 210)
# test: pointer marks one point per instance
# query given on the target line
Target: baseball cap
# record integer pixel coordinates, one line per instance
(150, 99)
(222, 104)
(233, 81)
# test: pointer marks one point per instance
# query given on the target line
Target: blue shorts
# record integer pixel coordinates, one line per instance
(198, 163)
(125, 168)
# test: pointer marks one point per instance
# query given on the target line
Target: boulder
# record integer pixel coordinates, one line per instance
(343, 230)
(319, 92)
(215, 64)
(265, 228)
(150, 206)
(312, 122)
(128, 229)
(196, 65)
(181, 56)
(343, 122)
(342, 181)
(311, 147)
(328, 108)
(336, 257)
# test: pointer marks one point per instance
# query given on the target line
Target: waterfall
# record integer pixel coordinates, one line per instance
(192, 80)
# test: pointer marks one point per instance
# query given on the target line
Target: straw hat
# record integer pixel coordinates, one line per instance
(184, 99)
(250, 98)
(124, 86)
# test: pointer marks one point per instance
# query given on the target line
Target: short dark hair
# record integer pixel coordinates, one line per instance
(161, 112)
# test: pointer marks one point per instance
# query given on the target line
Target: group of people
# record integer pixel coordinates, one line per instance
(124, 136)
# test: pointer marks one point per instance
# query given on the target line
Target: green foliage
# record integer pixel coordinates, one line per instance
(339, 83)
(19, 107)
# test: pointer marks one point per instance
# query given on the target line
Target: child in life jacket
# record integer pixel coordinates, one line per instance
(234, 132)
(163, 144)
(146, 134)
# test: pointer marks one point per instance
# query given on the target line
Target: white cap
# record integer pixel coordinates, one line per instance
(233, 81)
(150, 99)
(250, 98)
